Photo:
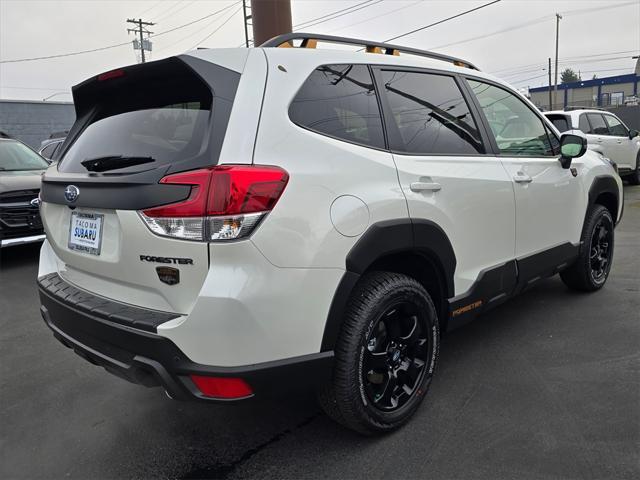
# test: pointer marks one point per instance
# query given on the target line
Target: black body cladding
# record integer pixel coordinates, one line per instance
(143, 357)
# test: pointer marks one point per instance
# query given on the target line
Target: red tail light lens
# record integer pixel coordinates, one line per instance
(226, 202)
(112, 74)
(222, 387)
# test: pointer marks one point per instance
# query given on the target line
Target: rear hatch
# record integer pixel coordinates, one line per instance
(135, 126)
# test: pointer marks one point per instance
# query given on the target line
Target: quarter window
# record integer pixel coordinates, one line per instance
(616, 128)
(517, 130)
(431, 114)
(340, 101)
(598, 127)
(561, 122)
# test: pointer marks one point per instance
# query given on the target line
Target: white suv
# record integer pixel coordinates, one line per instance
(237, 223)
(606, 133)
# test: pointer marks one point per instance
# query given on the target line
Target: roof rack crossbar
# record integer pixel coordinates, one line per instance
(310, 40)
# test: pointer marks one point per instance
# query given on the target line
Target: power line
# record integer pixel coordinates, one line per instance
(535, 21)
(80, 52)
(162, 12)
(150, 8)
(573, 59)
(443, 20)
(368, 4)
(377, 16)
(219, 27)
(330, 14)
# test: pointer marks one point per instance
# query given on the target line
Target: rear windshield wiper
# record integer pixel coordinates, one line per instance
(113, 162)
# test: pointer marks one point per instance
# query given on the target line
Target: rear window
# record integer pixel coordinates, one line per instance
(151, 116)
(165, 133)
(340, 101)
(561, 122)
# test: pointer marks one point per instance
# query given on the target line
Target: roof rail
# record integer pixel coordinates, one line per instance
(577, 107)
(310, 40)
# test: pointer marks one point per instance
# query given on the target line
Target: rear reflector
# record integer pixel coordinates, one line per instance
(222, 387)
(226, 202)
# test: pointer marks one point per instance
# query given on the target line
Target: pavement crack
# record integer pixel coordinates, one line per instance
(224, 470)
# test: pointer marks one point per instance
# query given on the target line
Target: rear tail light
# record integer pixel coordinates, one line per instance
(222, 387)
(226, 202)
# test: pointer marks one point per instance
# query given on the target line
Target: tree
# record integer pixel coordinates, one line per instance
(568, 76)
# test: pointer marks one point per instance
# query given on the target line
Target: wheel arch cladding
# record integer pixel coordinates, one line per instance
(419, 248)
(604, 191)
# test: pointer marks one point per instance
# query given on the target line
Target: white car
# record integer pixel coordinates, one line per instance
(606, 133)
(239, 223)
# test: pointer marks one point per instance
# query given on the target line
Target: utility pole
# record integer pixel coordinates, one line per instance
(145, 44)
(550, 102)
(270, 18)
(247, 18)
(555, 90)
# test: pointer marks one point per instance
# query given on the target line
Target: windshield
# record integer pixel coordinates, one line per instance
(14, 156)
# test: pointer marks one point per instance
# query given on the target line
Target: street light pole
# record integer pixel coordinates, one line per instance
(555, 89)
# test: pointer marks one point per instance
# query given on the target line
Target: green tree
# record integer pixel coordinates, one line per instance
(568, 76)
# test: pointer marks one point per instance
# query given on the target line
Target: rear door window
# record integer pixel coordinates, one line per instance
(340, 101)
(431, 114)
(598, 126)
(584, 124)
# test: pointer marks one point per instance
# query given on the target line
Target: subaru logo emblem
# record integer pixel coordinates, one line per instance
(35, 202)
(71, 193)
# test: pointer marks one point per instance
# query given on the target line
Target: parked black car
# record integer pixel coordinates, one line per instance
(20, 177)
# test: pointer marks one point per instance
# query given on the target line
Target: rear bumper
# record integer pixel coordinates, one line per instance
(141, 356)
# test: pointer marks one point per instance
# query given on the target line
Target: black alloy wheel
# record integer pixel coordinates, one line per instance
(600, 249)
(395, 357)
(591, 269)
(385, 355)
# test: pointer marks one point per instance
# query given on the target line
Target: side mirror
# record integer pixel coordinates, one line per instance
(633, 134)
(571, 146)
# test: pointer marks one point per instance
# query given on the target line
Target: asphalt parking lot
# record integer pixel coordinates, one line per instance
(546, 386)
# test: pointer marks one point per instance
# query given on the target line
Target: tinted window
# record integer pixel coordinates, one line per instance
(47, 152)
(517, 130)
(15, 156)
(584, 124)
(561, 122)
(165, 133)
(598, 127)
(340, 101)
(431, 114)
(616, 128)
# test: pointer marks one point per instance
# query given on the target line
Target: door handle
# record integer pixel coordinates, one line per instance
(522, 178)
(425, 187)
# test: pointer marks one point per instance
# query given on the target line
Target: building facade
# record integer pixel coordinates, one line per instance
(33, 121)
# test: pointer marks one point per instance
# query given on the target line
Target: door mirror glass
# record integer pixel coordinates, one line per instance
(571, 146)
(633, 134)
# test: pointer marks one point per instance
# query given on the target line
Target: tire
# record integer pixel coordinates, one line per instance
(634, 178)
(385, 354)
(591, 270)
